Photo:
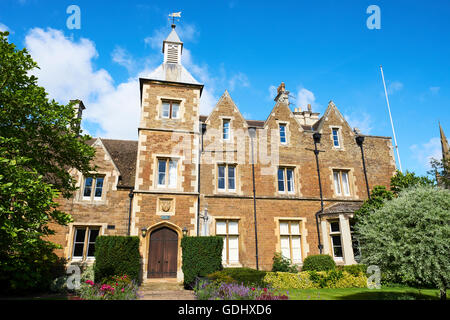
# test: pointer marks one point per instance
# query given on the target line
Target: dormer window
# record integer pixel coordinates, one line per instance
(170, 109)
(93, 188)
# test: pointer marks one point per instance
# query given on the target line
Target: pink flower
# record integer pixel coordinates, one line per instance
(123, 289)
(253, 289)
(90, 282)
(265, 289)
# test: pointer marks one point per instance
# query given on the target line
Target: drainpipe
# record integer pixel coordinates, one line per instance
(316, 137)
(203, 130)
(252, 133)
(131, 195)
(359, 140)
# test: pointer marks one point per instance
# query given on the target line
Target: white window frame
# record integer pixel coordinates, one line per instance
(285, 180)
(341, 188)
(338, 136)
(226, 236)
(170, 112)
(290, 235)
(168, 183)
(228, 121)
(336, 234)
(86, 241)
(93, 188)
(283, 125)
(226, 177)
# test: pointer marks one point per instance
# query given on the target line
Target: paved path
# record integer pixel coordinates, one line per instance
(164, 289)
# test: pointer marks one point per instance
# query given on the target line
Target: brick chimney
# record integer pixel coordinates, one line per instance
(282, 94)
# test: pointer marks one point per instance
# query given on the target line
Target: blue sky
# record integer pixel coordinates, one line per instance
(322, 50)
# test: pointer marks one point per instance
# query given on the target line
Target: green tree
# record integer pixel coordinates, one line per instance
(408, 237)
(441, 170)
(403, 181)
(39, 141)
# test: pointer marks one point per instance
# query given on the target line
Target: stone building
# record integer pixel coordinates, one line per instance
(253, 182)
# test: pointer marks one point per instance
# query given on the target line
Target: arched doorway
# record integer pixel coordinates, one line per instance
(163, 253)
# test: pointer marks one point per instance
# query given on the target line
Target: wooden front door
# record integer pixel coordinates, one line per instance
(163, 254)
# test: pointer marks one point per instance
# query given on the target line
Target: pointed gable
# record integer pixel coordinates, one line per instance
(331, 117)
(226, 107)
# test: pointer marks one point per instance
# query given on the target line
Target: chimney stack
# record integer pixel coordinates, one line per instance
(282, 94)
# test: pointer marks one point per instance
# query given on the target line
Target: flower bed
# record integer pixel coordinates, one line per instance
(207, 290)
(116, 288)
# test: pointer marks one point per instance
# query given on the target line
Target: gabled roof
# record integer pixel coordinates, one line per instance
(225, 96)
(124, 155)
(331, 106)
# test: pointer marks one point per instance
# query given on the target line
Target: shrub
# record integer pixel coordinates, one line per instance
(354, 269)
(287, 280)
(282, 264)
(117, 255)
(319, 262)
(201, 256)
(314, 279)
(246, 276)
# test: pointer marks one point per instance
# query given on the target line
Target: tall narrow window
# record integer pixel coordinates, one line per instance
(170, 109)
(226, 179)
(290, 241)
(341, 182)
(336, 141)
(226, 129)
(228, 229)
(335, 234)
(286, 180)
(167, 173)
(93, 188)
(84, 242)
(283, 134)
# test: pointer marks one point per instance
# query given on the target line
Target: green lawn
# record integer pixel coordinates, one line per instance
(385, 293)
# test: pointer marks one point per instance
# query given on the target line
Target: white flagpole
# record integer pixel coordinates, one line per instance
(390, 117)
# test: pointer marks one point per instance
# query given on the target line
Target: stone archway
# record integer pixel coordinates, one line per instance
(163, 253)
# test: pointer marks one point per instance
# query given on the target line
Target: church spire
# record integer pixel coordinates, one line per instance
(172, 48)
(444, 144)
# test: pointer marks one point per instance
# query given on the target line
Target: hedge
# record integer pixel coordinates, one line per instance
(318, 262)
(245, 276)
(201, 256)
(117, 255)
(313, 279)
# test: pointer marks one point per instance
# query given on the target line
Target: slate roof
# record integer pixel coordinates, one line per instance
(124, 156)
(343, 207)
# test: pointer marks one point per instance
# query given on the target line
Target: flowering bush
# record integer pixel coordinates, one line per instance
(116, 288)
(233, 291)
(313, 279)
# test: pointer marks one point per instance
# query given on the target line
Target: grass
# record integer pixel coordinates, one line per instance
(385, 293)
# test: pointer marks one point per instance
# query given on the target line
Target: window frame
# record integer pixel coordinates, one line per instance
(285, 170)
(171, 103)
(339, 188)
(283, 125)
(226, 177)
(227, 236)
(93, 187)
(336, 234)
(338, 137)
(168, 161)
(228, 121)
(86, 241)
(290, 236)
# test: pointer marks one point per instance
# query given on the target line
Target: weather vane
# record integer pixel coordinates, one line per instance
(173, 16)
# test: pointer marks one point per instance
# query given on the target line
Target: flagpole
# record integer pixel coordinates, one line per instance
(392, 123)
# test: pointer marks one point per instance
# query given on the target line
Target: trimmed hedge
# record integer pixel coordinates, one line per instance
(354, 269)
(117, 255)
(314, 280)
(245, 276)
(201, 256)
(318, 262)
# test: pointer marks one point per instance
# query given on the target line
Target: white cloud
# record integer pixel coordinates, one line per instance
(4, 27)
(424, 152)
(305, 97)
(272, 92)
(67, 72)
(362, 121)
(434, 90)
(123, 58)
(239, 79)
(394, 87)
